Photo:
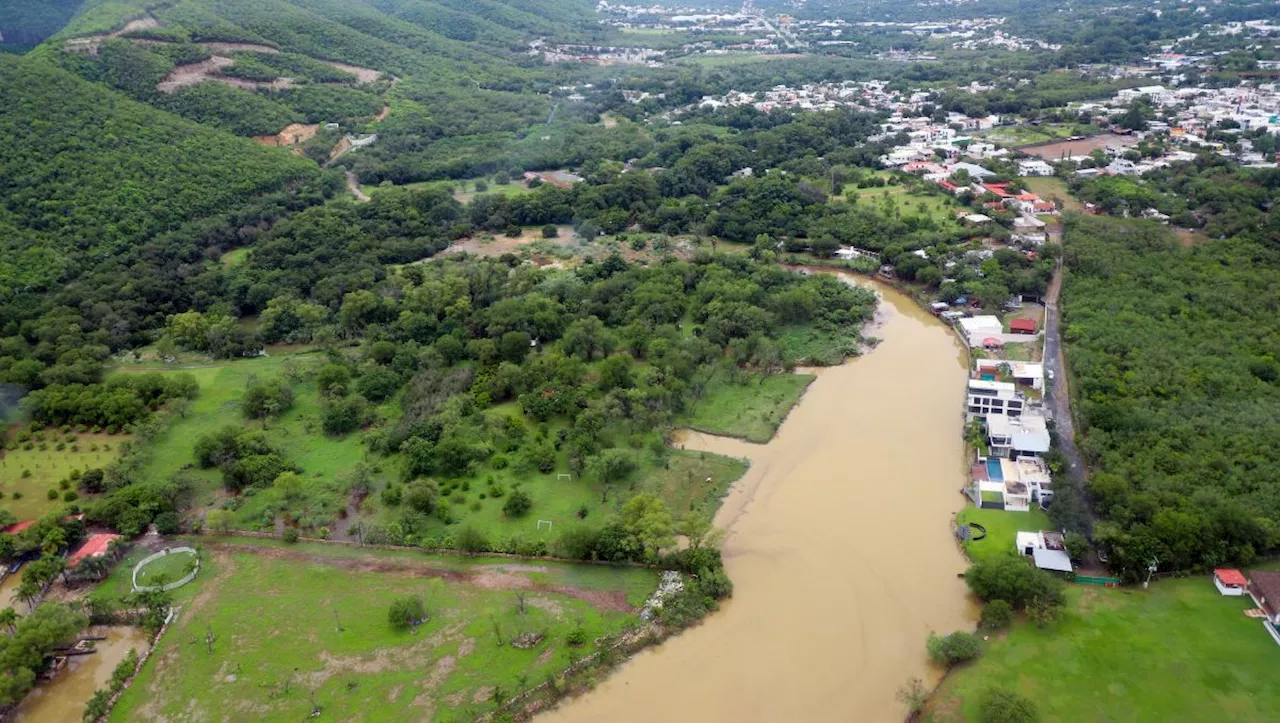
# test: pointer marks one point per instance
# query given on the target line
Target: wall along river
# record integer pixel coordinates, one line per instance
(838, 544)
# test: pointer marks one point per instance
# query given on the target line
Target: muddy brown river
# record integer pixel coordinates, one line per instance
(62, 699)
(838, 544)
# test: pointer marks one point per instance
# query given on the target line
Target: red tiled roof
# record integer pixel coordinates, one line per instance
(947, 185)
(18, 527)
(95, 546)
(999, 189)
(1022, 324)
(1028, 196)
(1231, 577)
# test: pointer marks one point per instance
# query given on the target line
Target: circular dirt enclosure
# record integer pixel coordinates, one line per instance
(171, 565)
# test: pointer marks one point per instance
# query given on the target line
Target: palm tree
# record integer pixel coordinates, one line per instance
(9, 619)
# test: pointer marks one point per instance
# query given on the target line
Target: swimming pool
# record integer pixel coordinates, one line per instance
(993, 470)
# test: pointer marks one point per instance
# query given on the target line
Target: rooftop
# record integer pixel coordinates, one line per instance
(95, 546)
(18, 527)
(1266, 585)
(1231, 577)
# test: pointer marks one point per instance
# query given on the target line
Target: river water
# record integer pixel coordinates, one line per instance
(62, 699)
(838, 544)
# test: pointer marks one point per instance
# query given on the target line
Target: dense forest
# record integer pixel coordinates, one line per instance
(1175, 355)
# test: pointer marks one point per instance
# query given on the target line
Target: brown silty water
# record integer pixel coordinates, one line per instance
(62, 699)
(839, 546)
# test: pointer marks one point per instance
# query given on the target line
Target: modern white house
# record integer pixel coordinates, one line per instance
(1047, 549)
(1017, 437)
(986, 400)
(1027, 374)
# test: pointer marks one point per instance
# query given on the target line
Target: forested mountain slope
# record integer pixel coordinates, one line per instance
(107, 204)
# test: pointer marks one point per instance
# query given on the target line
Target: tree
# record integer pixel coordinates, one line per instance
(332, 380)
(610, 466)
(648, 520)
(405, 612)
(1000, 705)
(913, 695)
(615, 373)
(958, 647)
(1014, 580)
(219, 521)
(518, 504)
(9, 619)
(996, 615)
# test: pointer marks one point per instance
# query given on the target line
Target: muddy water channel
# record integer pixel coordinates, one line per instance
(63, 698)
(838, 545)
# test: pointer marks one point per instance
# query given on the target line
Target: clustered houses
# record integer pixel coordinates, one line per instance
(1012, 475)
(870, 95)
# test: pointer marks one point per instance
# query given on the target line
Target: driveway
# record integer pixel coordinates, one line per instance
(1059, 396)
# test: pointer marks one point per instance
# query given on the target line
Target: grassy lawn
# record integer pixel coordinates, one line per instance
(234, 257)
(751, 411)
(1178, 651)
(27, 496)
(1002, 528)
(171, 567)
(303, 623)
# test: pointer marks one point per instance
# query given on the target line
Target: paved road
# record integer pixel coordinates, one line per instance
(1059, 397)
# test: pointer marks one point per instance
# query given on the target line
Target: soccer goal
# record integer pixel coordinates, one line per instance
(544, 522)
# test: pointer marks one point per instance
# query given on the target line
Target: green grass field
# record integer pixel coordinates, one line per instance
(300, 624)
(1002, 528)
(297, 432)
(234, 257)
(48, 467)
(463, 189)
(1024, 135)
(751, 411)
(1176, 652)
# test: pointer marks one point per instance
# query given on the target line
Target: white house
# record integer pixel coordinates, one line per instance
(978, 328)
(1230, 582)
(1025, 435)
(1028, 374)
(1047, 549)
(986, 400)
(1034, 167)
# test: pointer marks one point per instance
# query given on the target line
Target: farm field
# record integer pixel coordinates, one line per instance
(1023, 135)
(751, 411)
(342, 655)
(1002, 528)
(48, 467)
(1053, 189)
(1178, 651)
(163, 570)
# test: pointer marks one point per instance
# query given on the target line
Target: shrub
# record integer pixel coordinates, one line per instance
(1000, 705)
(64, 484)
(70, 496)
(391, 496)
(290, 535)
(481, 187)
(550, 231)
(576, 637)
(92, 481)
(406, 611)
(168, 523)
(472, 540)
(518, 504)
(26, 473)
(51, 494)
(957, 647)
(17, 495)
(996, 615)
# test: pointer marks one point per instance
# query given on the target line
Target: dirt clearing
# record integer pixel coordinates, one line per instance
(499, 245)
(185, 76)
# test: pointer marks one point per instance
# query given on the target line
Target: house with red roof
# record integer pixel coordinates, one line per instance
(18, 527)
(1230, 582)
(96, 546)
(999, 189)
(1022, 326)
(1043, 206)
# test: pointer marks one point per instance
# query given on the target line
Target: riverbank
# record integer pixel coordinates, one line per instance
(837, 542)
